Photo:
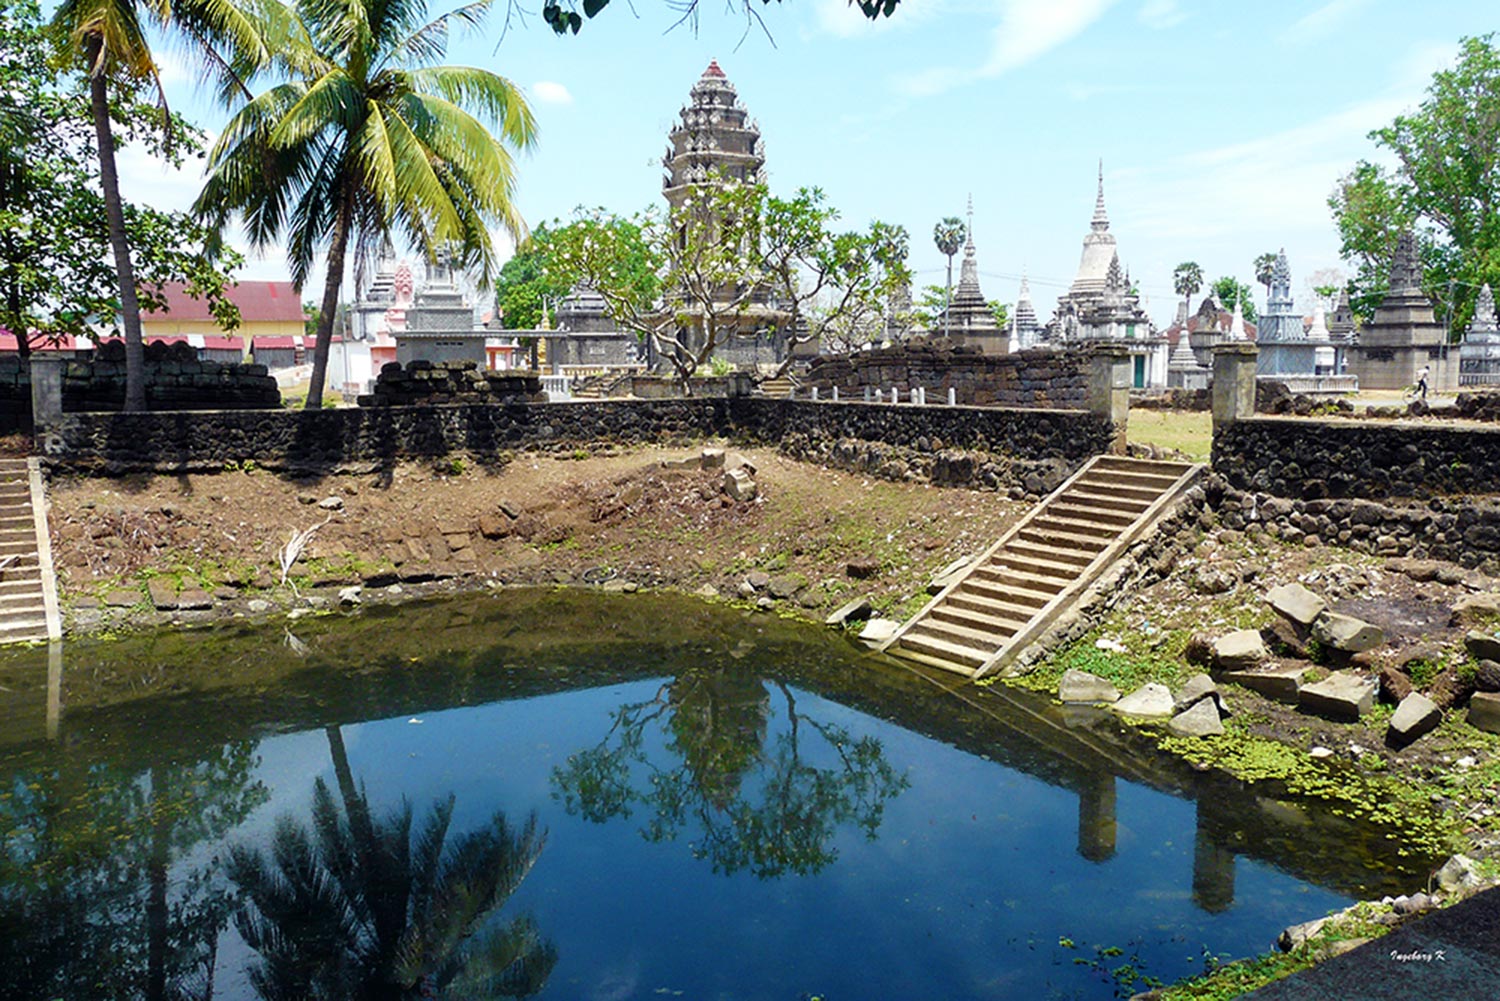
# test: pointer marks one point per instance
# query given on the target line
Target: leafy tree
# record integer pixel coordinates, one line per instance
(1231, 291)
(1001, 313)
(1446, 186)
(523, 286)
(107, 39)
(55, 279)
(829, 284)
(364, 139)
(731, 260)
(948, 235)
(1265, 269)
(1187, 279)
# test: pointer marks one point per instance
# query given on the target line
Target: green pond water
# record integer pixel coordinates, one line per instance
(569, 794)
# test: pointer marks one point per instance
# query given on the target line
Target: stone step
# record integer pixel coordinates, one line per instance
(1018, 605)
(1048, 521)
(1119, 490)
(1060, 555)
(941, 649)
(1089, 514)
(22, 594)
(31, 612)
(23, 632)
(1045, 535)
(1101, 500)
(973, 637)
(17, 546)
(1008, 577)
(1129, 478)
(985, 623)
(1063, 573)
(19, 579)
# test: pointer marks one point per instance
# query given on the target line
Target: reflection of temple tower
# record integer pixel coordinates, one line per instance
(1096, 818)
(719, 721)
(1213, 869)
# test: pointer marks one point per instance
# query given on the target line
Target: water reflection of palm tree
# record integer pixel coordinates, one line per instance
(768, 810)
(359, 907)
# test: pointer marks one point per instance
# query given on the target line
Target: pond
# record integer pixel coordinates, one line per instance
(570, 794)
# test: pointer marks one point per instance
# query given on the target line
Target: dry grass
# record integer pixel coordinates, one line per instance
(1189, 432)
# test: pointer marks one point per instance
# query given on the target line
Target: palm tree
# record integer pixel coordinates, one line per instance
(949, 236)
(366, 139)
(1265, 269)
(356, 907)
(1187, 278)
(109, 37)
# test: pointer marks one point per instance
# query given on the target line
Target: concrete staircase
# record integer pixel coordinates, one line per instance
(28, 590)
(1020, 585)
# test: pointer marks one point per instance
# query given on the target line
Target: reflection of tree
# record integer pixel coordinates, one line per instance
(357, 907)
(714, 724)
(90, 902)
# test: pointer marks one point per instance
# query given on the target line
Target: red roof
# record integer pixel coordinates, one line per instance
(8, 343)
(713, 69)
(285, 341)
(259, 302)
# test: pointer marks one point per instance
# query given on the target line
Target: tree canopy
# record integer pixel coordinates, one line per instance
(362, 138)
(55, 278)
(1231, 291)
(1445, 186)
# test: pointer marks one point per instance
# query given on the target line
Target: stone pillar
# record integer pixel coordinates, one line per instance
(814, 396)
(952, 396)
(1096, 818)
(46, 391)
(835, 394)
(1108, 390)
(1233, 390)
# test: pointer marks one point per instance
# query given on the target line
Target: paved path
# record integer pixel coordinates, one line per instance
(1448, 955)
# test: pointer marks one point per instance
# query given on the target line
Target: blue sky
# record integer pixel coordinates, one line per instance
(1222, 126)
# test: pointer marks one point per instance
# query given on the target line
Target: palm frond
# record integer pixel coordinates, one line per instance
(430, 41)
(489, 94)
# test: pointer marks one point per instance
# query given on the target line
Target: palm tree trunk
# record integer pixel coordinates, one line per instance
(331, 286)
(114, 211)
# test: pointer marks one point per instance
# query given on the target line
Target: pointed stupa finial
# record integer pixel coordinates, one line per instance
(1101, 220)
(1319, 329)
(1484, 321)
(714, 70)
(969, 229)
(1025, 292)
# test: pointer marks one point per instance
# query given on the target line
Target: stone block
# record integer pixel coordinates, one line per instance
(1484, 710)
(1346, 633)
(195, 600)
(1201, 719)
(1196, 688)
(877, 631)
(853, 611)
(163, 595)
(1282, 682)
(1476, 610)
(739, 485)
(1150, 701)
(122, 598)
(1343, 697)
(1415, 716)
(1081, 686)
(1482, 645)
(712, 458)
(1296, 604)
(1241, 649)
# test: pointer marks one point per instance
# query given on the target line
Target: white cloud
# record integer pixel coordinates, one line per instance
(1161, 14)
(1319, 23)
(1026, 31)
(550, 92)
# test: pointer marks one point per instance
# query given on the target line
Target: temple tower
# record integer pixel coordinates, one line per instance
(1404, 335)
(714, 135)
(1479, 357)
(1024, 328)
(970, 319)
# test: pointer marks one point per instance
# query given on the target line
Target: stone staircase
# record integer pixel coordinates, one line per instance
(782, 387)
(28, 591)
(1010, 595)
